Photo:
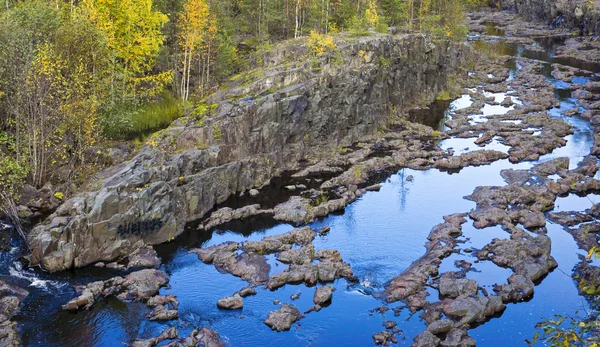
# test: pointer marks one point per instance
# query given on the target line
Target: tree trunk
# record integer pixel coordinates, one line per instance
(297, 21)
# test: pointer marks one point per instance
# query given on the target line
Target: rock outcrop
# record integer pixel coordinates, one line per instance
(10, 304)
(262, 123)
(574, 12)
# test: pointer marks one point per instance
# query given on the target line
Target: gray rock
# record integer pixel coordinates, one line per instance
(283, 318)
(247, 292)
(454, 287)
(163, 313)
(144, 257)
(322, 295)
(234, 302)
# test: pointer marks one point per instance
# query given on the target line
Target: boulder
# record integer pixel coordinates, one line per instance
(322, 295)
(234, 302)
(283, 318)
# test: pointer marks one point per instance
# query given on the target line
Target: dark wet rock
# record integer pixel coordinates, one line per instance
(140, 285)
(251, 267)
(381, 310)
(116, 266)
(279, 243)
(203, 337)
(247, 292)
(304, 255)
(551, 167)
(11, 297)
(586, 235)
(567, 218)
(167, 300)
(329, 267)
(571, 112)
(143, 284)
(518, 288)
(426, 339)
(440, 326)
(384, 338)
(234, 302)
(582, 94)
(163, 313)
(324, 230)
(283, 318)
(144, 257)
(373, 188)
(453, 287)
(474, 158)
(315, 308)
(587, 277)
(9, 334)
(322, 295)
(227, 214)
(168, 334)
(208, 254)
(10, 289)
(458, 338)
(472, 309)
(529, 219)
(324, 271)
(524, 254)
(389, 324)
(507, 102)
(409, 286)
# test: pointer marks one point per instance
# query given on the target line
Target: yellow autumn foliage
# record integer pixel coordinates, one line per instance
(320, 44)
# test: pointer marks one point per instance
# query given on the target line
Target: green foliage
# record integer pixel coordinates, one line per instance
(382, 27)
(217, 133)
(321, 199)
(444, 95)
(563, 332)
(12, 176)
(358, 26)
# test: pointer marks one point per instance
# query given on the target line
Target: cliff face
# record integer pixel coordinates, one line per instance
(264, 122)
(574, 12)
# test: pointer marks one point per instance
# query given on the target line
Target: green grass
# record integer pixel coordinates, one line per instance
(155, 115)
(138, 120)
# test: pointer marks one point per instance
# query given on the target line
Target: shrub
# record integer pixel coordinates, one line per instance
(12, 176)
(320, 44)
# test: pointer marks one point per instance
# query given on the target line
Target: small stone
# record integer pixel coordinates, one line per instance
(234, 302)
(247, 292)
(389, 324)
(276, 302)
(410, 178)
(295, 296)
(253, 192)
(373, 188)
(324, 230)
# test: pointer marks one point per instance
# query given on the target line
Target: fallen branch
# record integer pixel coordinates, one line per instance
(9, 208)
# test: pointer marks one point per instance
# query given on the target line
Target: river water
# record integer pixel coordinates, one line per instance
(379, 235)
